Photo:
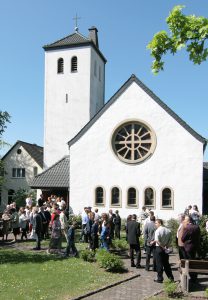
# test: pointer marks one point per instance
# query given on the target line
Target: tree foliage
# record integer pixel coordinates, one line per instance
(188, 32)
(4, 118)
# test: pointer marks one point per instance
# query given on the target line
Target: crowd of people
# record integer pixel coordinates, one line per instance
(49, 219)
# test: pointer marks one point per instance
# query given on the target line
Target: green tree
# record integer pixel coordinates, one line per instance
(188, 32)
(4, 118)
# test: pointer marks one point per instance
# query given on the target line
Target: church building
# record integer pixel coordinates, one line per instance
(130, 152)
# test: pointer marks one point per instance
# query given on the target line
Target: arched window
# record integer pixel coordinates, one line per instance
(99, 196)
(115, 196)
(60, 65)
(149, 197)
(74, 64)
(10, 196)
(167, 198)
(132, 197)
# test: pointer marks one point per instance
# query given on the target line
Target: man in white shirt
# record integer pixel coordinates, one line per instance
(85, 219)
(162, 242)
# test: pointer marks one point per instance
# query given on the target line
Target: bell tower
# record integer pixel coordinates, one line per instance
(74, 90)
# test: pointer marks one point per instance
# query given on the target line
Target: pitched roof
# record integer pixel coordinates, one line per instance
(56, 176)
(35, 151)
(73, 40)
(132, 79)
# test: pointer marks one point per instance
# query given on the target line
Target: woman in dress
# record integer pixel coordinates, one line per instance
(55, 242)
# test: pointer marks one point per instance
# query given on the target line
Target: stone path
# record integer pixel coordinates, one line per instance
(135, 289)
(144, 286)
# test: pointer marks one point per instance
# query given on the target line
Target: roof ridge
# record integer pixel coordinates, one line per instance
(131, 79)
(32, 144)
(70, 35)
(56, 163)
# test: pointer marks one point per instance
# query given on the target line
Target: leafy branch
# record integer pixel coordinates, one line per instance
(184, 31)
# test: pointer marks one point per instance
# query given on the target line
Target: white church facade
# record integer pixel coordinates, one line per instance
(130, 152)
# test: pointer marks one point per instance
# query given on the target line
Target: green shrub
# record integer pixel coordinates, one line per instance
(173, 225)
(88, 255)
(75, 218)
(120, 244)
(141, 241)
(206, 292)
(203, 247)
(123, 224)
(110, 262)
(170, 287)
(20, 196)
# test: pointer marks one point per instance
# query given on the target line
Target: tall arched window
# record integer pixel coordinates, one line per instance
(149, 197)
(132, 197)
(60, 65)
(99, 196)
(10, 196)
(74, 64)
(167, 198)
(115, 196)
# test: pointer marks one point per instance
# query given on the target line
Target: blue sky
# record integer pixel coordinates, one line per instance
(125, 28)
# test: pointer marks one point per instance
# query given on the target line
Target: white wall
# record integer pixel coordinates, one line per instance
(176, 162)
(14, 160)
(62, 121)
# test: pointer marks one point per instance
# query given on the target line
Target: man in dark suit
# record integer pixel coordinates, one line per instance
(191, 239)
(37, 221)
(44, 221)
(133, 234)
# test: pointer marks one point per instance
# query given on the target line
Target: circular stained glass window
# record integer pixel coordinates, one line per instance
(133, 142)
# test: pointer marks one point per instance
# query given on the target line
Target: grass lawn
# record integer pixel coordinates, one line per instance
(28, 275)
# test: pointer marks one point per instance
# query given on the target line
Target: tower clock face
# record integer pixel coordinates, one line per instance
(133, 142)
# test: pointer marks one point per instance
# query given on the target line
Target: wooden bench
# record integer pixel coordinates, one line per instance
(191, 266)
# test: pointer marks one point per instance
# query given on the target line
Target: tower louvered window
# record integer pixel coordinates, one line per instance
(60, 67)
(74, 64)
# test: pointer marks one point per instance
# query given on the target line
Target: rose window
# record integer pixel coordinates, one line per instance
(133, 142)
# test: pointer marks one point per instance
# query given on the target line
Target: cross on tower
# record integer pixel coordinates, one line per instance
(76, 18)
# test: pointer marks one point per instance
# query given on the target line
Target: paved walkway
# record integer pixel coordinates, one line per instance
(138, 288)
(144, 286)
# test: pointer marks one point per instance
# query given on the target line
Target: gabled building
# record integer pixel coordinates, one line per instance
(21, 163)
(130, 152)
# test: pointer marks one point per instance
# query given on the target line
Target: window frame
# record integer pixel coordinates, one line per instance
(171, 207)
(149, 130)
(154, 197)
(18, 173)
(136, 205)
(120, 195)
(73, 69)
(60, 65)
(95, 196)
(10, 195)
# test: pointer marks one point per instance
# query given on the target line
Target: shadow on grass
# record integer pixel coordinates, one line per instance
(18, 256)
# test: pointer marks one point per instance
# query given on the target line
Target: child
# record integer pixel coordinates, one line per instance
(70, 241)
